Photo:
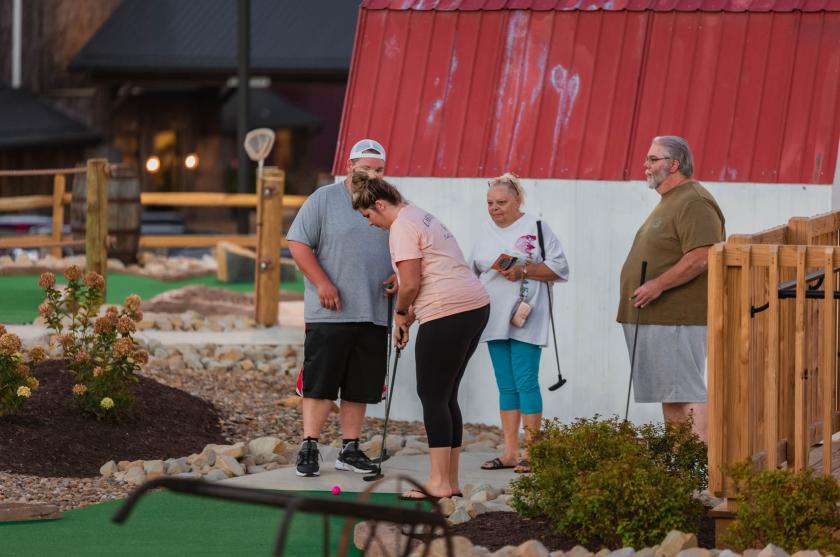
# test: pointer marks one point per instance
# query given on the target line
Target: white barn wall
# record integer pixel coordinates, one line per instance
(596, 222)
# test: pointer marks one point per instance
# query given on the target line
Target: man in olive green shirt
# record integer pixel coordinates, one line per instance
(670, 360)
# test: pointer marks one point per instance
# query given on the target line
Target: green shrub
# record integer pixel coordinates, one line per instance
(100, 350)
(795, 511)
(16, 380)
(606, 481)
(679, 449)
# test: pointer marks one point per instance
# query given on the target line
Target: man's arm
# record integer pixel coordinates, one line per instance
(690, 266)
(307, 262)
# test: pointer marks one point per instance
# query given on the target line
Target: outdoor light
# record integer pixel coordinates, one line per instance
(152, 164)
(191, 161)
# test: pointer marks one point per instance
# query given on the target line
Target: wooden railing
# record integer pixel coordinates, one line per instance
(56, 240)
(773, 337)
(269, 202)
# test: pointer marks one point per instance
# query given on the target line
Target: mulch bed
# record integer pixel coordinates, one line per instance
(496, 530)
(52, 437)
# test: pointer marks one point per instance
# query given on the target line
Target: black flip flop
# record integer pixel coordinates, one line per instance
(496, 464)
(429, 498)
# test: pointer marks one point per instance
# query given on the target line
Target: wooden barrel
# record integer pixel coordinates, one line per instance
(124, 212)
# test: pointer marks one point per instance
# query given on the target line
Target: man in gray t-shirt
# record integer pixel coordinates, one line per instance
(348, 269)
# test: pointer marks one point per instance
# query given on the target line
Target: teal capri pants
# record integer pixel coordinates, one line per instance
(517, 368)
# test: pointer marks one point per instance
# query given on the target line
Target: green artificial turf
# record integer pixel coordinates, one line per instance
(166, 523)
(20, 294)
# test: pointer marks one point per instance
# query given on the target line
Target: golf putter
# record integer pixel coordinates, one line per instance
(560, 379)
(389, 333)
(382, 452)
(633, 352)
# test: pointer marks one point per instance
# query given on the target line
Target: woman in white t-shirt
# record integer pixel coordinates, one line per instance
(515, 350)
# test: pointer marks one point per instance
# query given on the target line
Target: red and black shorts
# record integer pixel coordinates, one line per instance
(345, 358)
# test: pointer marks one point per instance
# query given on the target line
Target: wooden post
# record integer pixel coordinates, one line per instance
(742, 410)
(716, 404)
(771, 382)
(59, 185)
(269, 235)
(800, 433)
(96, 228)
(829, 351)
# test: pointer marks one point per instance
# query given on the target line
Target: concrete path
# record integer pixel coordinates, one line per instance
(36, 334)
(414, 466)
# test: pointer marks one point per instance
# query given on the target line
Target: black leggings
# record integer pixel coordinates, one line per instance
(443, 349)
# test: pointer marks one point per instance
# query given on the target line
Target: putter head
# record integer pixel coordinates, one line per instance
(375, 476)
(560, 383)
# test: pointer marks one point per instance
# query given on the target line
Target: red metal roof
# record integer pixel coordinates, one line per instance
(608, 5)
(579, 95)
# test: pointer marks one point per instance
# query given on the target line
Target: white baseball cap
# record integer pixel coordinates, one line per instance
(376, 151)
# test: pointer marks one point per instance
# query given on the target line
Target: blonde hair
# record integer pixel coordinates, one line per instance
(366, 191)
(512, 182)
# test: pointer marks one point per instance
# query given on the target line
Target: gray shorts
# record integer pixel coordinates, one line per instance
(670, 362)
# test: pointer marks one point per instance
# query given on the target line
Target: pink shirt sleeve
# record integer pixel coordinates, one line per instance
(404, 240)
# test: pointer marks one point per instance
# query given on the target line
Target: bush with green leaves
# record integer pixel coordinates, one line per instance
(100, 350)
(607, 481)
(16, 380)
(795, 511)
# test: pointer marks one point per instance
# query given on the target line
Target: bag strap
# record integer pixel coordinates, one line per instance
(540, 239)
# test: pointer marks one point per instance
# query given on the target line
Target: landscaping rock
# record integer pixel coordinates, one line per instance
(108, 469)
(135, 475)
(230, 465)
(532, 548)
(506, 551)
(807, 553)
(694, 552)
(266, 445)
(215, 475)
(676, 541)
(447, 506)
(459, 516)
(773, 551)
(177, 466)
(154, 469)
(728, 553)
(623, 552)
(438, 547)
(125, 465)
(15, 511)
(578, 551)
(388, 539)
(475, 508)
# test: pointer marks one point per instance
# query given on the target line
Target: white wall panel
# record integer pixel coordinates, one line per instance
(596, 222)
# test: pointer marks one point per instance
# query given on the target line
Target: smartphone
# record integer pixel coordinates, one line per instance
(506, 262)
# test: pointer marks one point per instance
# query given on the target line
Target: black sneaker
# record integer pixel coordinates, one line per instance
(307, 459)
(353, 459)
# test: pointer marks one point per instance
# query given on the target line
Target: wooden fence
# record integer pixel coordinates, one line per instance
(773, 338)
(269, 202)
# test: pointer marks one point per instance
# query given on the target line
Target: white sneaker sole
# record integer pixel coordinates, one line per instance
(350, 468)
(302, 475)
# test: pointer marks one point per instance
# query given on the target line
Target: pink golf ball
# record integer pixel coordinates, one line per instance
(336, 489)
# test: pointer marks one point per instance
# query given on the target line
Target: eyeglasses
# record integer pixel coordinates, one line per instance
(652, 159)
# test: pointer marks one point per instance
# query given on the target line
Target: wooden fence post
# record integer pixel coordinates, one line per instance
(270, 190)
(717, 379)
(829, 356)
(96, 227)
(771, 381)
(59, 185)
(800, 418)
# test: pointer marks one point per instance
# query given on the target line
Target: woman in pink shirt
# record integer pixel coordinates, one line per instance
(438, 288)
